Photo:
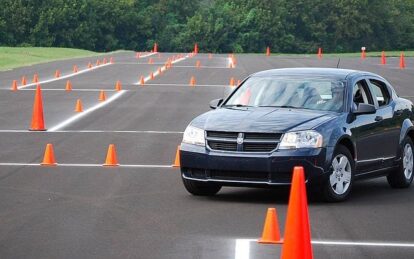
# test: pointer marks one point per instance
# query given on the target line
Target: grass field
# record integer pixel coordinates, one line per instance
(12, 57)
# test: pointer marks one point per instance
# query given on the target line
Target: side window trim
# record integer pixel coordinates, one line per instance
(387, 89)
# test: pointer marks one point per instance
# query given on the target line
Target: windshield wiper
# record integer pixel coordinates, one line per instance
(282, 106)
(236, 105)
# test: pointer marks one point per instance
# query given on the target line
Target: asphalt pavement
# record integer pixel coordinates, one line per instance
(141, 209)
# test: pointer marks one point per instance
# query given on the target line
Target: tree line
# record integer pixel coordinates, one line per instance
(299, 26)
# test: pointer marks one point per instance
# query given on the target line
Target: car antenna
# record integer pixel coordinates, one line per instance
(339, 61)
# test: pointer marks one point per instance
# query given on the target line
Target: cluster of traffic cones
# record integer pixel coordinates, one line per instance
(402, 64)
(296, 242)
(50, 160)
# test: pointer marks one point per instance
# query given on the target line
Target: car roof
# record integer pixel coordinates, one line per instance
(333, 73)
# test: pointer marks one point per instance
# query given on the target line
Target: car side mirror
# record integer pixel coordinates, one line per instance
(364, 108)
(215, 103)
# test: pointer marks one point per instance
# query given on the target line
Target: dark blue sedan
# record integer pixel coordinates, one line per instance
(340, 125)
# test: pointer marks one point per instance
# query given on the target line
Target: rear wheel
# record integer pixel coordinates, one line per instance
(403, 175)
(201, 188)
(339, 183)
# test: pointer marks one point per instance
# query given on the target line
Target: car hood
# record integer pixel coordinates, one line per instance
(261, 119)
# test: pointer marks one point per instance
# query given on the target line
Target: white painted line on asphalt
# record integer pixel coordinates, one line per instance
(242, 249)
(95, 131)
(83, 89)
(86, 112)
(188, 85)
(88, 165)
(163, 68)
(74, 74)
(351, 243)
(65, 76)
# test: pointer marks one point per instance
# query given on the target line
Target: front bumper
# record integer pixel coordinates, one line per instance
(247, 169)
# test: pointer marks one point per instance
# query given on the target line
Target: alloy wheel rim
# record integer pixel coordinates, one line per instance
(340, 178)
(408, 161)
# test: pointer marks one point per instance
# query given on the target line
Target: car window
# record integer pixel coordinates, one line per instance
(306, 93)
(380, 92)
(360, 93)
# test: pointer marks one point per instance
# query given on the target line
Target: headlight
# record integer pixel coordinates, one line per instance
(195, 136)
(301, 139)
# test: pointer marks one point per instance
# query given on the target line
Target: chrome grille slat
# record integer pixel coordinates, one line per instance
(252, 142)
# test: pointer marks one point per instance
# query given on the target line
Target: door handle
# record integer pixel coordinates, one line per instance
(398, 113)
(378, 118)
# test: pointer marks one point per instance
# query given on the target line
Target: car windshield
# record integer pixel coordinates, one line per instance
(301, 93)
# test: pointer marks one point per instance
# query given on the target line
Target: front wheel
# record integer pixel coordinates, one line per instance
(403, 175)
(339, 183)
(201, 188)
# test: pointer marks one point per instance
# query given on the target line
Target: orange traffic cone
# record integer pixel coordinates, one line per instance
(68, 87)
(319, 53)
(98, 63)
(198, 64)
(402, 61)
(192, 81)
(267, 51)
(105, 61)
(111, 157)
(152, 76)
(150, 61)
(297, 239)
(363, 54)
(210, 56)
(111, 60)
(177, 158)
(75, 69)
(35, 78)
(155, 49)
(137, 55)
(57, 73)
(24, 81)
(271, 232)
(78, 107)
(142, 80)
(231, 81)
(118, 86)
(38, 123)
(14, 86)
(383, 58)
(89, 65)
(49, 157)
(196, 48)
(102, 96)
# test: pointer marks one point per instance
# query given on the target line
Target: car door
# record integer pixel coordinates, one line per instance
(366, 130)
(388, 120)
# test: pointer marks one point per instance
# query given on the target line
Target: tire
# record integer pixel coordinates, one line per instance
(403, 175)
(201, 188)
(338, 184)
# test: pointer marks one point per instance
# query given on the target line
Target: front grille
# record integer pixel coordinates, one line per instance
(252, 142)
(222, 146)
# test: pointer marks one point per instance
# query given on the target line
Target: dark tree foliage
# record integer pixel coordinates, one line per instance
(216, 25)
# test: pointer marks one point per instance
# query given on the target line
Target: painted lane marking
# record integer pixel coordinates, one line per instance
(89, 165)
(188, 85)
(96, 131)
(350, 243)
(65, 76)
(74, 74)
(163, 68)
(242, 249)
(100, 105)
(86, 112)
(242, 246)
